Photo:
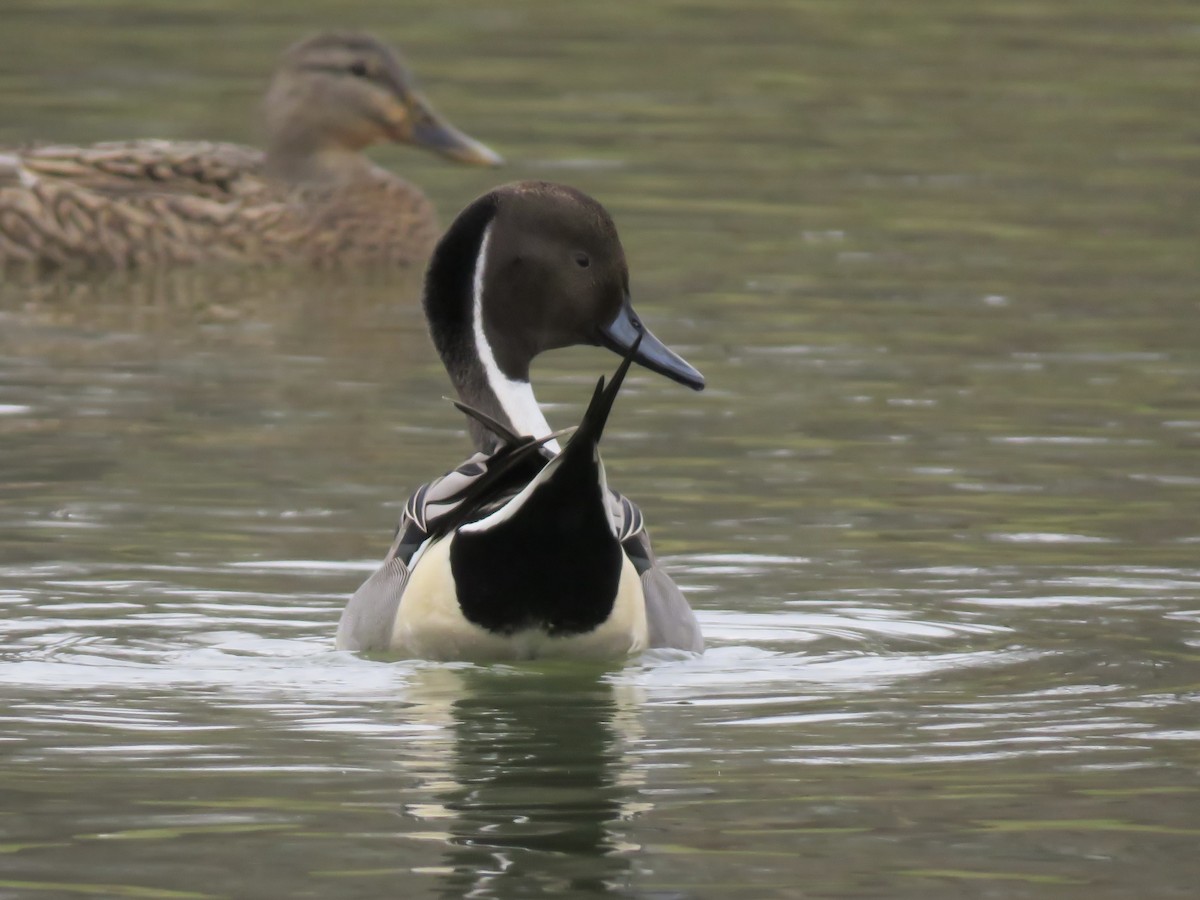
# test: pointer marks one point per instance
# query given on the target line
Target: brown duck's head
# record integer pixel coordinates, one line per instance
(343, 91)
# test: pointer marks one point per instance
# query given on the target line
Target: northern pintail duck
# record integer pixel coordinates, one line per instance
(312, 196)
(523, 551)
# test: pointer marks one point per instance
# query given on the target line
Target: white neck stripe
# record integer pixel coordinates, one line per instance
(516, 397)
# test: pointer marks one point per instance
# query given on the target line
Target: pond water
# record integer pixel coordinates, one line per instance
(939, 509)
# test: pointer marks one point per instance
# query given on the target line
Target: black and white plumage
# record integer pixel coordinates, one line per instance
(523, 550)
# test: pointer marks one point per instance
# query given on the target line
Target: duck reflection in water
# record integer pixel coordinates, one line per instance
(529, 798)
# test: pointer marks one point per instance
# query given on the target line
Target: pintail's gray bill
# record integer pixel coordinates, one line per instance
(619, 335)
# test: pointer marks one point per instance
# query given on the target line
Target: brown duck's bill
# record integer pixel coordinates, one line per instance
(621, 334)
(431, 131)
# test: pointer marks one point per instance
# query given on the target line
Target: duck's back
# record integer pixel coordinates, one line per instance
(145, 202)
(218, 171)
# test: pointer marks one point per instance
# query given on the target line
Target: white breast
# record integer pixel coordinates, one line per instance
(429, 623)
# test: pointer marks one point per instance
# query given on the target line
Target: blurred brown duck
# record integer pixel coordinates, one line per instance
(312, 196)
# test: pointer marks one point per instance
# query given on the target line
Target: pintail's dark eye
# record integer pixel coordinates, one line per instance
(358, 69)
(581, 260)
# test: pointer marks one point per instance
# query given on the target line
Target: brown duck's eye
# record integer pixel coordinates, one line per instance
(358, 69)
(581, 260)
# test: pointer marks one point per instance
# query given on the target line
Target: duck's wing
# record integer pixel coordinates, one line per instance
(368, 618)
(669, 618)
(217, 171)
(135, 203)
